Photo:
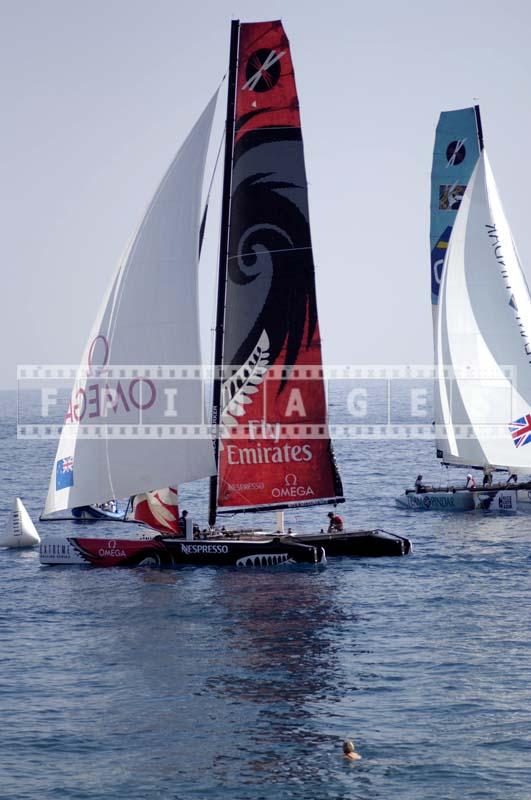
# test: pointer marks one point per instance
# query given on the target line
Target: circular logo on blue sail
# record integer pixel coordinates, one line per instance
(455, 152)
(263, 70)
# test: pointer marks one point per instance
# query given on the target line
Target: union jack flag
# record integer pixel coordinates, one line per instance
(521, 431)
(64, 474)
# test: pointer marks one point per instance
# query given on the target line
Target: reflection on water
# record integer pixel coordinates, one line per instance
(285, 662)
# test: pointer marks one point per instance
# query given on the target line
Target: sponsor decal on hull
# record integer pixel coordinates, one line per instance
(195, 549)
(504, 502)
(453, 501)
(429, 502)
(59, 552)
(263, 560)
(118, 552)
(111, 550)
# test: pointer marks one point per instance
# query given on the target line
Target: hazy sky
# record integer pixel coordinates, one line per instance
(97, 97)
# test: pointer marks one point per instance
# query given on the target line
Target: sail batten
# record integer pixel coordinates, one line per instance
(267, 315)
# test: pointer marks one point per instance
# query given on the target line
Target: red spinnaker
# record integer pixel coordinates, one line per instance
(158, 509)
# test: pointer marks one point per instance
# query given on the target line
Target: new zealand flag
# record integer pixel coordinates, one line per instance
(64, 475)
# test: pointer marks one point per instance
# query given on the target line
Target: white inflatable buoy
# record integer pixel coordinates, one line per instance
(19, 530)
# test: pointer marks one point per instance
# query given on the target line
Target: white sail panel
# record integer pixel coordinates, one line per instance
(484, 370)
(149, 316)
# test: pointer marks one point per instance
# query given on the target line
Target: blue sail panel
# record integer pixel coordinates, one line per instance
(458, 143)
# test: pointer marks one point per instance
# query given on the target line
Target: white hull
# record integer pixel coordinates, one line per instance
(56, 549)
(524, 496)
(502, 502)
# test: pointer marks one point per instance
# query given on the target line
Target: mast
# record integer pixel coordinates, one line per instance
(479, 127)
(223, 255)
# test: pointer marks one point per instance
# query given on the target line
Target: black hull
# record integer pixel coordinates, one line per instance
(370, 544)
(241, 553)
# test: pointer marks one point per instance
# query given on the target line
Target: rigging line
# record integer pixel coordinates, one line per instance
(215, 168)
(207, 198)
(220, 84)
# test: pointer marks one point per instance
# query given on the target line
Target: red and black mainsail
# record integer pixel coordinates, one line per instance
(274, 449)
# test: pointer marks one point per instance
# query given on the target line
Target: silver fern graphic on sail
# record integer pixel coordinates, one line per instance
(237, 390)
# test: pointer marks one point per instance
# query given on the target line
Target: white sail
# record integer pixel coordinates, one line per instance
(149, 316)
(483, 381)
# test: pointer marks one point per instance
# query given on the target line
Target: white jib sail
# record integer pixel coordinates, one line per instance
(483, 345)
(149, 316)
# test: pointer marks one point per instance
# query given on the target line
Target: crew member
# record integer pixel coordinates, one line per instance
(336, 522)
(470, 482)
(487, 476)
(182, 522)
(419, 486)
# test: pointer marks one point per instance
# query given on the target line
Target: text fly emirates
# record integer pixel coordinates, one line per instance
(278, 454)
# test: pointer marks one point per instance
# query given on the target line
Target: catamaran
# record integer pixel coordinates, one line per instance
(272, 448)
(481, 323)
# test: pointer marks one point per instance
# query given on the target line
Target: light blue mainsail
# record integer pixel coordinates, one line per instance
(458, 143)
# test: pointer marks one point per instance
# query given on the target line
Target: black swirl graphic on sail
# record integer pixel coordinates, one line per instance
(270, 232)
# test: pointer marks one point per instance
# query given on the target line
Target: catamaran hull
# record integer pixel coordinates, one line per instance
(524, 496)
(94, 514)
(503, 501)
(171, 553)
(371, 544)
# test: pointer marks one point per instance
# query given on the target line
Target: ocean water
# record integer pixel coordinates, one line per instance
(216, 683)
